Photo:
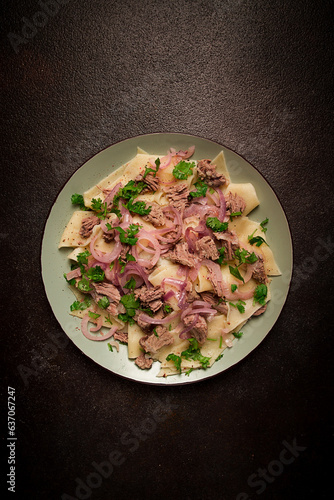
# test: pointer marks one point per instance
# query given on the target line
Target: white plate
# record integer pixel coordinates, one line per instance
(54, 262)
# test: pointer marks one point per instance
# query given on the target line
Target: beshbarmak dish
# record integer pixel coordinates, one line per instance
(165, 259)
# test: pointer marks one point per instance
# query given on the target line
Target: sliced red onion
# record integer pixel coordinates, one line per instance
(193, 273)
(174, 282)
(84, 329)
(145, 235)
(169, 295)
(184, 154)
(99, 323)
(204, 310)
(134, 268)
(110, 196)
(165, 161)
(105, 257)
(154, 321)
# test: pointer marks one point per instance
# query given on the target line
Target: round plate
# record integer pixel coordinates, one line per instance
(54, 263)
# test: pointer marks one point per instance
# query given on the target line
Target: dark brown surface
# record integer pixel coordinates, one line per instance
(252, 75)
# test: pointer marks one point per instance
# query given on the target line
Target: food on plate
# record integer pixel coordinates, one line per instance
(165, 259)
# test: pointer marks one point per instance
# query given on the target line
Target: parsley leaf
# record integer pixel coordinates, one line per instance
(183, 169)
(201, 189)
(82, 259)
(78, 199)
(219, 357)
(193, 352)
(84, 285)
(233, 288)
(95, 273)
(260, 294)
(110, 347)
(128, 237)
(100, 208)
(70, 282)
(176, 359)
(263, 223)
(80, 306)
(93, 315)
(138, 207)
(149, 170)
(244, 256)
(238, 335)
(131, 304)
(103, 302)
(236, 273)
(168, 309)
(130, 284)
(234, 214)
(258, 240)
(155, 332)
(221, 257)
(239, 305)
(215, 224)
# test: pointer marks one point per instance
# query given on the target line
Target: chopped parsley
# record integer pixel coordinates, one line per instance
(201, 189)
(103, 302)
(176, 359)
(82, 259)
(131, 283)
(215, 224)
(131, 304)
(149, 170)
(128, 237)
(95, 274)
(183, 169)
(80, 306)
(99, 208)
(220, 356)
(234, 214)
(236, 273)
(221, 342)
(264, 223)
(93, 315)
(110, 347)
(193, 352)
(239, 305)
(257, 240)
(233, 288)
(84, 285)
(78, 199)
(168, 309)
(238, 335)
(155, 332)
(138, 207)
(244, 256)
(123, 263)
(221, 257)
(188, 372)
(260, 294)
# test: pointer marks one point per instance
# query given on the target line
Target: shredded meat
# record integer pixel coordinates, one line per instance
(108, 290)
(200, 330)
(180, 254)
(150, 297)
(215, 301)
(156, 215)
(152, 343)
(206, 248)
(112, 309)
(109, 237)
(230, 241)
(143, 362)
(217, 286)
(121, 336)
(87, 225)
(259, 273)
(192, 296)
(124, 251)
(207, 171)
(178, 196)
(151, 181)
(234, 203)
(261, 310)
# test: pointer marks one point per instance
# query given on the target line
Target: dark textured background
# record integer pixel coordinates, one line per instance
(253, 75)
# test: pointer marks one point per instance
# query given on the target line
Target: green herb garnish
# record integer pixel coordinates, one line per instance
(260, 294)
(233, 288)
(128, 237)
(130, 284)
(176, 359)
(183, 169)
(93, 315)
(239, 305)
(215, 224)
(103, 302)
(78, 199)
(238, 335)
(193, 352)
(80, 305)
(201, 189)
(263, 223)
(99, 208)
(131, 304)
(236, 273)
(95, 274)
